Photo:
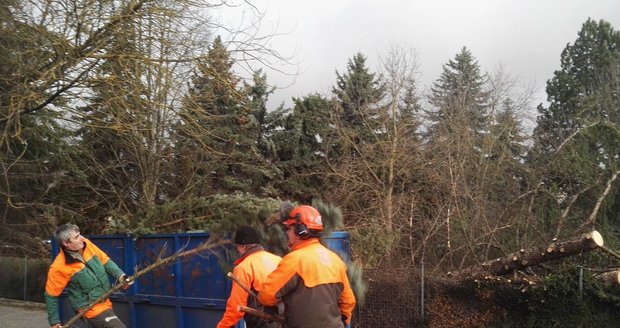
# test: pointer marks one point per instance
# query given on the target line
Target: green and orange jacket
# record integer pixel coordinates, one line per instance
(84, 281)
(312, 283)
(251, 269)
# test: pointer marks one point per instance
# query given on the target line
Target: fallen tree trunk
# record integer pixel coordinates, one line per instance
(537, 255)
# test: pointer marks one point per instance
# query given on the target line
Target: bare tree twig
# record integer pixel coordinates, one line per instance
(592, 217)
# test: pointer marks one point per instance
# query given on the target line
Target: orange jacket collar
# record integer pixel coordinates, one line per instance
(305, 242)
(248, 253)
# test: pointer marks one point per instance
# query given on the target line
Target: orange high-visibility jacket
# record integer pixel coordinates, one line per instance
(251, 269)
(312, 283)
(85, 281)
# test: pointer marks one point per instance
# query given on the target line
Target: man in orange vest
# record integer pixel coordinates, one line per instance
(251, 269)
(82, 268)
(310, 280)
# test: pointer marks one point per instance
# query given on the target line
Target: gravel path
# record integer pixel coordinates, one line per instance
(19, 314)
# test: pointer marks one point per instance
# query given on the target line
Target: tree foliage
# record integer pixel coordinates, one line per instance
(302, 145)
(459, 99)
(102, 81)
(371, 176)
(130, 116)
(576, 138)
(359, 93)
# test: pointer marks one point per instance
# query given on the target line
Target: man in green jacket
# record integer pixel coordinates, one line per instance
(82, 268)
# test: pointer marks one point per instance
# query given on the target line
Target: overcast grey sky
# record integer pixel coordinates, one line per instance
(526, 37)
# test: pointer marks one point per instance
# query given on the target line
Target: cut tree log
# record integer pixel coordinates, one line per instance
(524, 258)
(610, 279)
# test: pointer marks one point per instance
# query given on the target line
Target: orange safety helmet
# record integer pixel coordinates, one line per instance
(305, 215)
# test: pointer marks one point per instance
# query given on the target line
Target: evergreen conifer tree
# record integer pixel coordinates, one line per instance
(219, 130)
(302, 143)
(359, 93)
(577, 138)
(585, 90)
(458, 128)
(459, 99)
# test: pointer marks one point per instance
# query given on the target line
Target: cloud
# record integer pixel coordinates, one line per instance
(525, 36)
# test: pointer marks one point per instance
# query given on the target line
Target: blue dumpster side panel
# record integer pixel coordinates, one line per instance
(338, 241)
(191, 292)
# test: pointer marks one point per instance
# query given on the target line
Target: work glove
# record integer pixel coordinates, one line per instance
(280, 215)
(124, 279)
(285, 209)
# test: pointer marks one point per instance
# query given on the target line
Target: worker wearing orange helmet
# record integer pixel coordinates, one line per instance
(310, 280)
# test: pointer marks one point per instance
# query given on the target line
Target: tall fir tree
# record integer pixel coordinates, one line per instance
(258, 92)
(301, 146)
(506, 171)
(458, 98)
(508, 132)
(455, 145)
(359, 93)
(201, 135)
(264, 125)
(219, 130)
(409, 112)
(371, 150)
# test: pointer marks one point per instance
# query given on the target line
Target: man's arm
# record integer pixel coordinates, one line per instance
(346, 303)
(238, 296)
(56, 282)
(279, 282)
(51, 303)
(113, 270)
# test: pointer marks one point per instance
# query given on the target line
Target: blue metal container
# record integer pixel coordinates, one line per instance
(191, 292)
(338, 241)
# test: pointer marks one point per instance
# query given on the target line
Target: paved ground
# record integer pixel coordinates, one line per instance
(19, 314)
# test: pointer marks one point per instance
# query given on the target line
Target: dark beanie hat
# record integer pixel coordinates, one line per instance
(246, 235)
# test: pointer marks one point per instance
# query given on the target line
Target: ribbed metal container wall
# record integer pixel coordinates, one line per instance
(191, 292)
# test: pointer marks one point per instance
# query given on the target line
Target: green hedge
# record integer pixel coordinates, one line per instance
(558, 302)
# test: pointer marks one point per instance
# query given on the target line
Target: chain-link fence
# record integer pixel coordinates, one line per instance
(392, 299)
(23, 278)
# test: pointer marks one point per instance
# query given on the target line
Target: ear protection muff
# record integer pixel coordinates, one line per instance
(300, 228)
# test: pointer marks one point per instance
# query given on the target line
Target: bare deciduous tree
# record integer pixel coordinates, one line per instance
(374, 178)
